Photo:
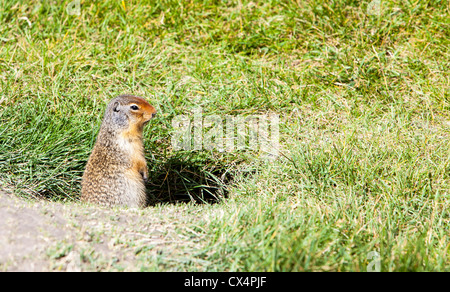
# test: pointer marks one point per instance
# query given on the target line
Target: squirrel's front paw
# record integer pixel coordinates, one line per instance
(144, 175)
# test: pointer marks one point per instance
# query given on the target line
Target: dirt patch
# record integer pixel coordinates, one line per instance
(48, 236)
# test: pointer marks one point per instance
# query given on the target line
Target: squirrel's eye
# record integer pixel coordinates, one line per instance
(134, 107)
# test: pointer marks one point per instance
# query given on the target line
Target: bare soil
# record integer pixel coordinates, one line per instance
(49, 236)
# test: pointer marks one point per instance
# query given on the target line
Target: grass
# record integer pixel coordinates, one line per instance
(363, 100)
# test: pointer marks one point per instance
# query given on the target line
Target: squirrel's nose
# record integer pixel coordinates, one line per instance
(153, 115)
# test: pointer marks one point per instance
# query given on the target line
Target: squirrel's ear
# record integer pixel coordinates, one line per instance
(116, 106)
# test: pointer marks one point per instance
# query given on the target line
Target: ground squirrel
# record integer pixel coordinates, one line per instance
(116, 169)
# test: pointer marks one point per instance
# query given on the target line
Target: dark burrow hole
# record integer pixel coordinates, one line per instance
(179, 180)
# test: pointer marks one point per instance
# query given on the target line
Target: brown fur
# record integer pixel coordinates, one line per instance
(116, 169)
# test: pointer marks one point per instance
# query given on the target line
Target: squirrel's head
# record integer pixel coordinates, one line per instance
(129, 112)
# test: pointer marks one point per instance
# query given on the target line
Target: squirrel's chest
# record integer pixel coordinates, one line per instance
(134, 151)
